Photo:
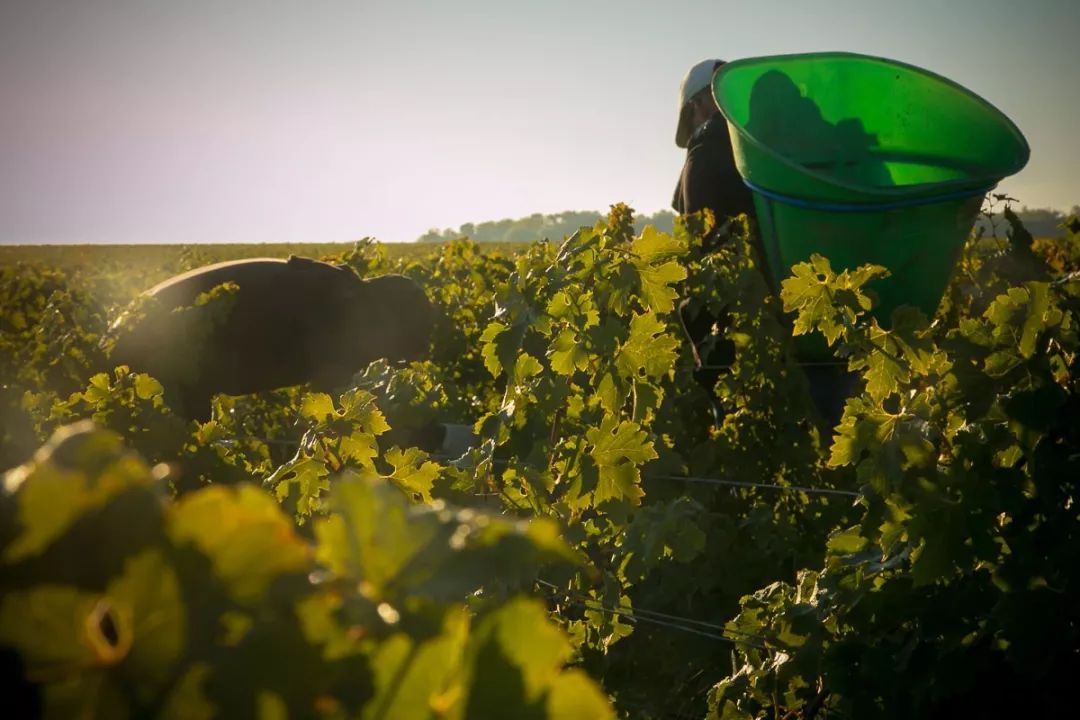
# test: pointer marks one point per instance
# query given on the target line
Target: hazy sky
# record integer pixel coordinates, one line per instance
(327, 120)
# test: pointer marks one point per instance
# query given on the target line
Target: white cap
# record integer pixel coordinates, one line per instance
(698, 79)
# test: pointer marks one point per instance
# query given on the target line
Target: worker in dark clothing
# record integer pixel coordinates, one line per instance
(710, 180)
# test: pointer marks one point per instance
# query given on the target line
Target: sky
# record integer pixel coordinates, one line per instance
(160, 121)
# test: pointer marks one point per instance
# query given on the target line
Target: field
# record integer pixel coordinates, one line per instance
(154, 260)
(609, 546)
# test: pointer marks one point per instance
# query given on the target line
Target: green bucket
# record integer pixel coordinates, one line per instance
(864, 160)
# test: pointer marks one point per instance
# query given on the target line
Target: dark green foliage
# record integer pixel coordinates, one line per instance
(918, 560)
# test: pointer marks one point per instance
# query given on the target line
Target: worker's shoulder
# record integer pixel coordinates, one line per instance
(251, 272)
(209, 275)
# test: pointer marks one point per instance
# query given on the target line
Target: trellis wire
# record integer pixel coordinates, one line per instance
(708, 481)
(642, 616)
(818, 363)
(645, 613)
(724, 482)
(755, 485)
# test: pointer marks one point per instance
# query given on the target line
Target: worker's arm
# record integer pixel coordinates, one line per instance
(701, 184)
(710, 180)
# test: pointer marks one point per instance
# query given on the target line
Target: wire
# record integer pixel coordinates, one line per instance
(644, 613)
(716, 481)
(267, 441)
(671, 478)
(819, 363)
(755, 485)
(643, 616)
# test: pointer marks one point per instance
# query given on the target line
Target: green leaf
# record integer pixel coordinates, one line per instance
(654, 256)
(243, 532)
(61, 629)
(378, 538)
(1038, 317)
(270, 706)
(188, 700)
(884, 371)
(524, 637)
(882, 445)
(99, 388)
(567, 354)
(360, 447)
(371, 536)
(662, 532)
(560, 307)
(308, 477)
(618, 448)
(576, 696)
(319, 621)
(49, 503)
(359, 407)
(526, 367)
(78, 471)
(318, 407)
(516, 657)
(147, 595)
(649, 351)
(611, 398)
(806, 293)
(416, 680)
(413, 472)
(931, 561)
(894, 530)
(653, 246)
(846, 542)
(824, 300)
(147, 387)
(911, 337)
(500, 344)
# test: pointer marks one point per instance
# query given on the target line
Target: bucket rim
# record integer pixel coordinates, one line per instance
(903, 190)
(878, 207)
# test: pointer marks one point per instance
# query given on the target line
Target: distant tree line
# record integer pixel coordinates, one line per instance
(1040, 222)
(539, 226)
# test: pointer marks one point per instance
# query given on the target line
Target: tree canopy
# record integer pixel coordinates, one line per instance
(537, 226)
(1041, 222)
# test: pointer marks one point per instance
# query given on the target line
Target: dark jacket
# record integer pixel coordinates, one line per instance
(285, 323)
(709, 178)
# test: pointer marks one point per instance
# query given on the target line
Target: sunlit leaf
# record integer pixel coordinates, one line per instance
(244, 534)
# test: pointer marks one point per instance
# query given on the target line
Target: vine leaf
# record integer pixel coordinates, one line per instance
(500, 344)
(618, 449)
(567, 354)
(413, 472)
(650, 350)
(655, 257)
(518, 646)
(824, 300)
(244, 533)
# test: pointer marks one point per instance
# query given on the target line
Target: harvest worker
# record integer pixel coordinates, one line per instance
(709, 180)
(251, 325)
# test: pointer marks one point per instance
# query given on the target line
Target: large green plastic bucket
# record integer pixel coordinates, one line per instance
(865, 160)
